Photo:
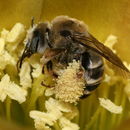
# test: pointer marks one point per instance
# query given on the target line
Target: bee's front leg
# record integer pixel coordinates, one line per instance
(48, 70)
(47, 86)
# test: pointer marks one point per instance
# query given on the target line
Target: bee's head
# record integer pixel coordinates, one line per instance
(36, 41)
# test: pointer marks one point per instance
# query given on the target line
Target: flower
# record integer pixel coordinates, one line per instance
(90, 115)
(53, 107)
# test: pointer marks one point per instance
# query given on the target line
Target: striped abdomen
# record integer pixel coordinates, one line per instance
(94, 68)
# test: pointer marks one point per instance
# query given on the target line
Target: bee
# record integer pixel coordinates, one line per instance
(66, 39)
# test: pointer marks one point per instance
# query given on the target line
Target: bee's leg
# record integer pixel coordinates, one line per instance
(50, 69)
(48, 86)
(48, 55)
(43, 72)
(49, 66)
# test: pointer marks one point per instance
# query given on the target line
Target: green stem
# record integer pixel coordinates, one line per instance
(89, 108)
(123, 103)
(81, 113)
(30, 106)
(93, 119)
(41, 103)
(31, 103)
(56, 126)
(8, 108)
(117, 100)
(76, 119)
(2, 112)
(37, 90)
(103, 113)
(96, 124)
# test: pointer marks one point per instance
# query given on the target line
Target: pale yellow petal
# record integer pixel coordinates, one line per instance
(67, 124)
(2, 45)
(37, 70)
(15, 36)
(5, 59)
(25, 77)
(41, 116)
(111, 41)
(40, 125)
(110, 106)
(17, 93)
(4, 33)
(9, 88)
(49, 92)
(4, 83)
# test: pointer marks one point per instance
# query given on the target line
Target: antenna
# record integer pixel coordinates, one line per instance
(32, 21)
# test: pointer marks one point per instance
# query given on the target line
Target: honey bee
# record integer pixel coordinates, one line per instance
(66, 39)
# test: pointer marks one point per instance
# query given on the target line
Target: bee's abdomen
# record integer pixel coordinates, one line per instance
(94, 69)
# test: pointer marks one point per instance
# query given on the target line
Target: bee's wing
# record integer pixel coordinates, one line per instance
(93, 44)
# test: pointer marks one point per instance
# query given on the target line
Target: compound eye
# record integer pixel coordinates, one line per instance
(65, 33)
(47, 30)
(36, 33)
